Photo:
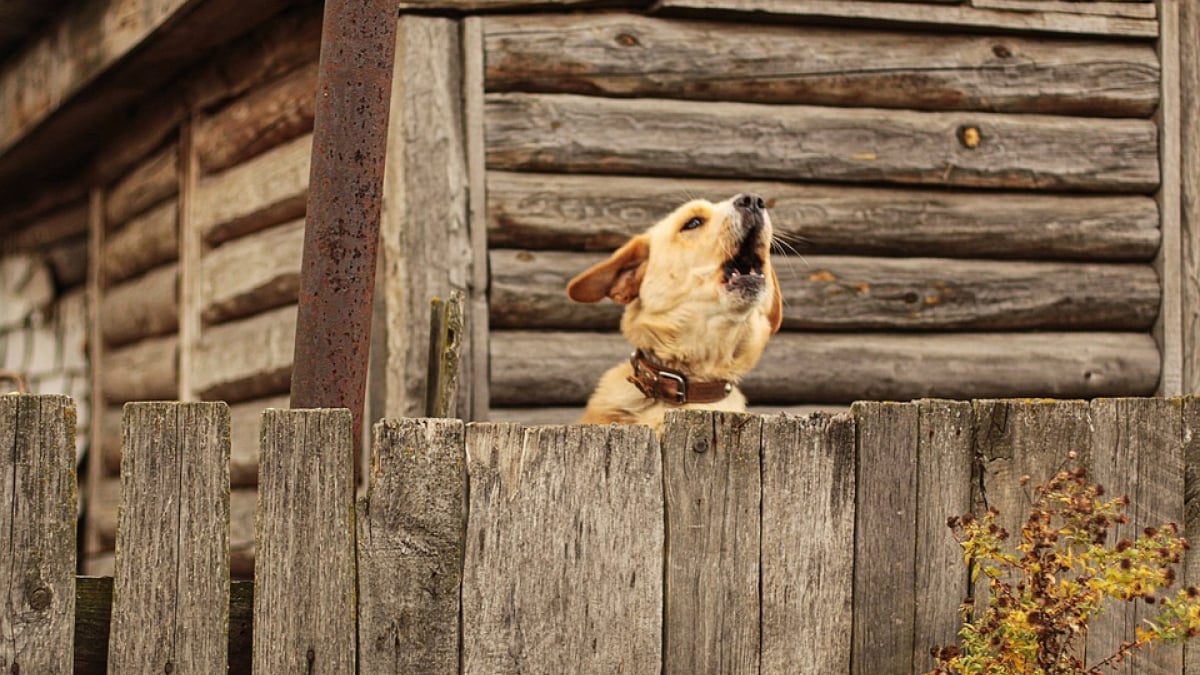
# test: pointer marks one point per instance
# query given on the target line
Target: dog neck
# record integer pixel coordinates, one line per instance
(672, 386)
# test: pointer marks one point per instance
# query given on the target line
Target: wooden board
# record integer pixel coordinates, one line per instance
(304, 606)
(266, 117)
(152, 181)
(564, 550)
(711, 479)
(65, 223)
(145, 306)
(531, 368)
(40, 501)
(909, 14)
(172, 541)
(1133, 9)
(146, 241)
(852, 293)
(1189, 150)
(477, 217)
(571, 415)
(252, 274)
(143, 371)
(411, 530)
(425, 247)
(269, 189)
(1169, 328)
(601, 212)
(575, 134)
(247, 358)
(631, 55)
(807, 553)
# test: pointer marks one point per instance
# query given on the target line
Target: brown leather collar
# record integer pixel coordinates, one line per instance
(669, 385)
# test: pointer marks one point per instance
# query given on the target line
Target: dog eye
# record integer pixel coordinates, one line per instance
(693, 224)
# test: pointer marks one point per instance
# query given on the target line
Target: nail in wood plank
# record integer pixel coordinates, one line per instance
(38, 502)
(171, 578)
(713, 489)
(304, 619)
(410, 548)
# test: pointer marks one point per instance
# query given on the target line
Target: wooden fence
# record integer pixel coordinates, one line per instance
(739, 544)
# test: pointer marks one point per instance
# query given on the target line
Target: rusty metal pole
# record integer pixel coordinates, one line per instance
(345, 194)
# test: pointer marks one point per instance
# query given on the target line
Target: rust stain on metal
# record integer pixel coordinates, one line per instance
(358, 43)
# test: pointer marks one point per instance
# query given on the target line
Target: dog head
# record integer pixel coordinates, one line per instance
(699, 288)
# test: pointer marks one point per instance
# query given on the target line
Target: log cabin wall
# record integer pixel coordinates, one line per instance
(966, 207)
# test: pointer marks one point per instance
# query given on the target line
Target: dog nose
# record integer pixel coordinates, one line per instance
(750, 202)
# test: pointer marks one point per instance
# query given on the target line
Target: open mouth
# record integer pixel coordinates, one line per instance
(743, 272)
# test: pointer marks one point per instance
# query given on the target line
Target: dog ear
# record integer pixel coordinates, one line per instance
(619, 277)
(775, 315)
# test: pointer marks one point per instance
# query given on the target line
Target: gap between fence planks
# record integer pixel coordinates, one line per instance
(172, 548)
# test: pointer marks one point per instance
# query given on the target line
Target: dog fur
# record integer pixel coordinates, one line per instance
(688, 305)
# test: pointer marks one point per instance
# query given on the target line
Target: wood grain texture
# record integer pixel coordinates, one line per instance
(304, 604)
(264, 118)
(944, 484)
(191, 250)
(711, 478)
(637, 56)
(95, 351)
(571, 415)
(146, 241)
(570, 133)
(269, 189)
(248, 358)
(1137, 450)
(172, 541)
(885, 535)
(1189, 204)
(477, 213)
(1190, 419)
(66, 222)
(564, 550)
(807, 553)
(854, 293)
(529, 210)
(424, 239)
(144, 306)
(908, 14)
(411, 530)
(1168, 329)
(156, 178)
(40, 500)
(252, 274)
(143, 371)
(1135, 9)
(532, 368)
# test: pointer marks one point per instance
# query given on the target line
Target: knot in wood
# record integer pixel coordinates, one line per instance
(701, 446)
(627, 40)
(969, 136)
(1002, 51)
(39, 598)
(169, 668)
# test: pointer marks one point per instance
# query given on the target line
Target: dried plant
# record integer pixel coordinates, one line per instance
(1041, 597)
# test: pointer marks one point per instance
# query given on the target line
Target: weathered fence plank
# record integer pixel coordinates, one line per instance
(1137, 450)
(172, 541)
(571, 133)
(808, 552)
(711, 478)
(885, 536)
(562, 211)
(631, 55)
(410, 548)
(38, 502)
(563, 570)
(860, 293)
(304, 603)
(1190, 411)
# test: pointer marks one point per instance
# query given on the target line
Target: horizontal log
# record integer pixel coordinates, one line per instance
(252, 274)
(147, 241)
(1122, 8)
(145, 306)
(851, 293)
(488, 5)
(576, 134)
(262, 119)
(538, 416)
(112, 430)
(62, 224)
(531, 368)
(143, 371)
(246, 359)
(154, 180)
(601, 212)
(632, 55)
(269, 189)
(909, 14)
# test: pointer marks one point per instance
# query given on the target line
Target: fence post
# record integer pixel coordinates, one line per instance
(38, 502)
(172, 541)
(711, 473)
(410, 548)
(304, 618)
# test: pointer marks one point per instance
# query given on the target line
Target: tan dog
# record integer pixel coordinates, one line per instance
(701, 302)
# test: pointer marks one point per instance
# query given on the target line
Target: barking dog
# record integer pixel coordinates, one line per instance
(701, 300)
